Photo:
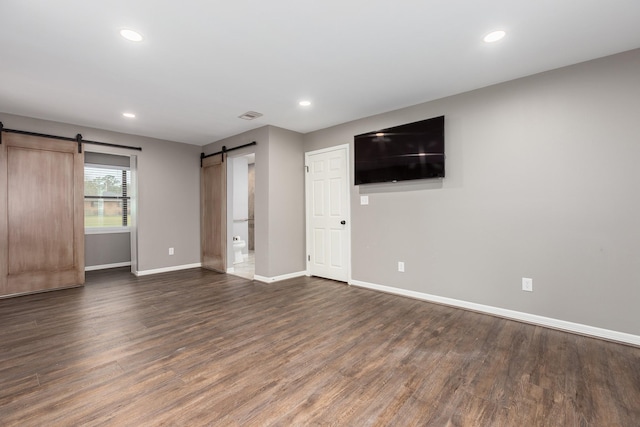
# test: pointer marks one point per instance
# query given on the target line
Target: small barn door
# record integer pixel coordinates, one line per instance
(213, 201)
(41, 214)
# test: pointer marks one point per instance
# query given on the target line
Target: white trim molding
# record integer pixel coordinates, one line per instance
(106, 266)
(107, 230)
(509, 314)
(167, 269)
(279, 278)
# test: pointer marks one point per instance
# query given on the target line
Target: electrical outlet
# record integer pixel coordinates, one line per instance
(170, 251)
(401, 266)
(364, 200)
(527, 284)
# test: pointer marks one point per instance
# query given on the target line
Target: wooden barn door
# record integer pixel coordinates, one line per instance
(213, 201)
(41, 214)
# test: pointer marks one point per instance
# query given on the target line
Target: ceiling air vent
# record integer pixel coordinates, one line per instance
(250, 115)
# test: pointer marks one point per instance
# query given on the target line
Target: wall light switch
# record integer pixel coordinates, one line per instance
(364, 200)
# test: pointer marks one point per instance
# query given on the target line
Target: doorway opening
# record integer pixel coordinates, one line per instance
(110, 210)
(241, 212)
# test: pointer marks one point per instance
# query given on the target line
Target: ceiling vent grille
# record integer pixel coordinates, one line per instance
(250, 115)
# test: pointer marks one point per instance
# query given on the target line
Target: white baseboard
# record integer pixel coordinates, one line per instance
(167, 269)
(509, 314)
(106, 266)
(279, 278)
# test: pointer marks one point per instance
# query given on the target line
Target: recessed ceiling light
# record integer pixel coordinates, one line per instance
(304, 103)
(494, 36)
(129, 115)
(131, 35)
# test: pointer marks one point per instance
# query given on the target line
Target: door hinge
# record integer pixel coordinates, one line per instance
(308, 257)
(307, 168)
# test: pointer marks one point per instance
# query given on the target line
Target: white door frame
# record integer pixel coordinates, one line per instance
(307, 197)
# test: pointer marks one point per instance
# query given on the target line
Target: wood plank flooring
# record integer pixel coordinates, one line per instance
(197, 348)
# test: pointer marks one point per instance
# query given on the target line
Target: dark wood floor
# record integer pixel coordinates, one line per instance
(198, 348)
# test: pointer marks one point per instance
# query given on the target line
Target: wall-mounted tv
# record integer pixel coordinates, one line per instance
(401, 153)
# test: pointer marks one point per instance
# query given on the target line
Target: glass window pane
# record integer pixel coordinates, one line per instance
(104, 213)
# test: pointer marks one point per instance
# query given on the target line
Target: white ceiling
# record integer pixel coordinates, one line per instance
(205, 62)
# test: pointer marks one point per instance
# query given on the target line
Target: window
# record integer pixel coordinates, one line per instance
(106, 200)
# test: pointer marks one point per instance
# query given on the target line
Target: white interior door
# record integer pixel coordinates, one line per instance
(328, 226)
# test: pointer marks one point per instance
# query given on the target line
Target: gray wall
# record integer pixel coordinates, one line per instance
(279, 198)
(286, 202)
(542, 182)
(169, 204)
(107, 248)
(106, 159)
(168, 190)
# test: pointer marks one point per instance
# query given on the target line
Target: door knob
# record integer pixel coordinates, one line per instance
(343, 222)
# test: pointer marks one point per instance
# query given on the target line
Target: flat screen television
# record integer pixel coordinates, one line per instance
(401, 153)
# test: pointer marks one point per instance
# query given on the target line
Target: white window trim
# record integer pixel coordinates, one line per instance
(106, 230)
